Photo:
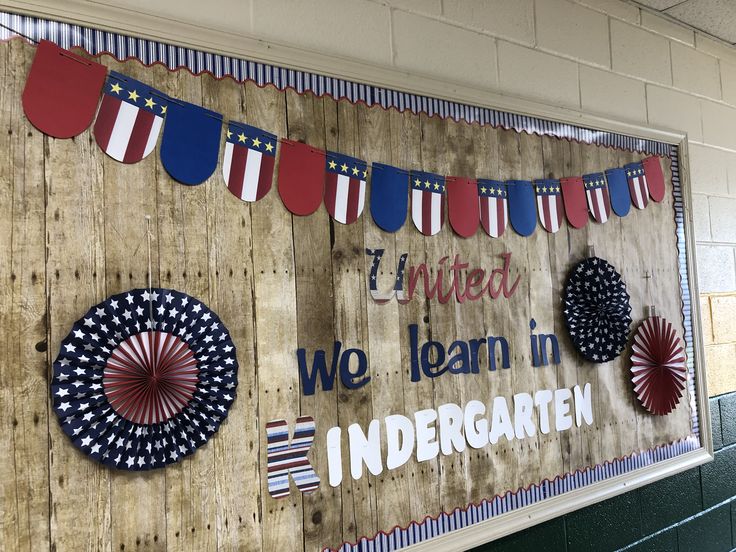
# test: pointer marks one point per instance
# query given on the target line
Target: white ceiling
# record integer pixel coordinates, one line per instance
(715, 17)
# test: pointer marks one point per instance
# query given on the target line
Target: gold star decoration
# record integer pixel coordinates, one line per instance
(417, 183)
(150, 103)
(436, 186)
(344, 168)
(269, 147)
(493, 191)
(229, 134)
(355, 171)
(427, 183)
(242, 137)
(365, 174)
(133, 95)
(256, 142)
(332, 164)
(483, 189)
(115, 88)
(163, 110)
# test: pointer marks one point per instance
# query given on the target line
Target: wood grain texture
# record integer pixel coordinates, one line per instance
(72, 232)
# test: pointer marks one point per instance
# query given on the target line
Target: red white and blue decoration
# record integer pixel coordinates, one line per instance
(288, 458)
(638, 188)
(247, 166)
(522, 207)
(597, 310)
(345, 187)
(494, 207)
(549, 204)
(389, 197)
(575, 200)
(130, 118)
(618, 191)
(462, 205)
(301, 177)
(596, 192)
(427, 202)
(655, 177)
(658, 366)
(144, 379)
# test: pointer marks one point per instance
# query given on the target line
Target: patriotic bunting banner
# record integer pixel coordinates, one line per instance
(522, 207)
(494, 207)
(130, 118)
(247, 166)
(576, 205)
(638, 188)
(190, 144)
(427, 202)
(345, 187)
(389, 196)
(655, 178)
(618, 191)
(301, 177)
(463, 205)
(62, 90)
(596, 192)
(549, 204)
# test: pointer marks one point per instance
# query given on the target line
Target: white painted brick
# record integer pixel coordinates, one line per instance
(695, 71)
(674, 110)
(719, 125)
(357, 29)
(708, 170)
(426, 46)
(614, 8)
(428, 7)
(716, 272)
(573, 30)
(667, 28)
(701, 217)
(532, 74)
(610, 94)
(728, 81)
(723, 219)
(640, 53)
(717, 48)
(512, 19)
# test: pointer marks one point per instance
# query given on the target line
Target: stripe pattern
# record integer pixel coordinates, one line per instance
(549, 204)
(344, 187)
(494, 207)
(427, 202)
(129, 119)
(599, 200)
(247, 165)
(637, 185)
(286, 458)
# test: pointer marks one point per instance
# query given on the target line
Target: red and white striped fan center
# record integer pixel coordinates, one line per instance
(150, 377)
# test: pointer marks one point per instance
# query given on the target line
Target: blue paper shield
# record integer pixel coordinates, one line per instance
(522, 207)
(389, 196)
(618, 189)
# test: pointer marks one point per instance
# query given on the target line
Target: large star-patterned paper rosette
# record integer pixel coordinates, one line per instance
(658, 366)
(597, 310)
(144, 379)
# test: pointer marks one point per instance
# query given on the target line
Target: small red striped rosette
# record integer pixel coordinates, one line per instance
(658, 366)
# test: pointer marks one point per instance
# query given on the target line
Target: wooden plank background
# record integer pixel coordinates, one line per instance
(72, 233)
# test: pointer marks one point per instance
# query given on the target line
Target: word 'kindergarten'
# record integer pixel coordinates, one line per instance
(449, 429)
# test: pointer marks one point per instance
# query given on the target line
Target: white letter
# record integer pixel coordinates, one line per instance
(563, 420)
(523, 410)
(451, 428)
(334, 456)
(427, 448)
(583, 405)
(542, 398)
(399, 440)
(364, 449)
(500, 421)
(476, 432)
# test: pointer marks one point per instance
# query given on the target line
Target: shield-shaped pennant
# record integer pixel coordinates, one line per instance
(389, 196)
(427, 205)
(62, 90)
(190, 144)
(576, 206)
(494, 207)
(638, 188)
(655, 177)
(247, 166)
(462, 205)
(301, 177)
(618, 190)
(549, 204)
(130, 118)
(345, 179)
(522, 206)
(596, 191)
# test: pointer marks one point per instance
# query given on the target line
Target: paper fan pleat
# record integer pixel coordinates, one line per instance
(658, 366)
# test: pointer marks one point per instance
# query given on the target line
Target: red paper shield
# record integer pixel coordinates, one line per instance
(464, 208)
(655, 178)
(62, 91)
(301, 177)
(576, 206)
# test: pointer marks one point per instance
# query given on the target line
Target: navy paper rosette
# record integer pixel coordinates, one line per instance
(144, 379)
(597, 310)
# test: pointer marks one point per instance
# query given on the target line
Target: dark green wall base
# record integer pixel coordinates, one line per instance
(694, 511)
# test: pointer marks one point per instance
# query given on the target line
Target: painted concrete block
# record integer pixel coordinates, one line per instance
(709, 532)
(709, 169)
(512, 19)
(695, 71)
(723, 309)
(706, 319)
(723, 217)
(701, 217)
(640, 53)
(716, 271)
(614, 8)
(574, 31)
(610, 94)
(674, 110)
(667, 28)
(718, 123)
(428, 7)
(720, 369)
(714, 47)
(728, 81)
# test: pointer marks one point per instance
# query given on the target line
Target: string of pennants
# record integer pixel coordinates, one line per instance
(62, 95)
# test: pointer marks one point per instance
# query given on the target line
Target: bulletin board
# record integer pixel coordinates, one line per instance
(424, 382)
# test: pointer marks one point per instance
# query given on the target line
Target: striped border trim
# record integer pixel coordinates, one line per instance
(150, 52)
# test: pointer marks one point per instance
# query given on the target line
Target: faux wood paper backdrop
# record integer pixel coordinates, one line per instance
(72, 232)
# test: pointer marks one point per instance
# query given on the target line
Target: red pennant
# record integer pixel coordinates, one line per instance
(62, 91)
(655, 178)
(576, 206)
(464, 208)
(301, 177)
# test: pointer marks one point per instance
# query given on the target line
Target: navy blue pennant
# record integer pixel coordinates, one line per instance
(618, 189)
(389, 196)
(522, 207)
